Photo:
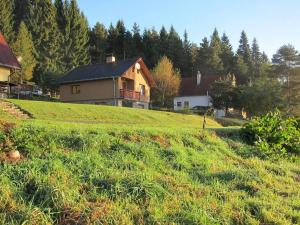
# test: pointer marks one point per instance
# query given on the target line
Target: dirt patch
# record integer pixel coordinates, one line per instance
(70, 216)
(99, 209)
(5, 157)
(163, 141)
(6, 127)
(132, 138)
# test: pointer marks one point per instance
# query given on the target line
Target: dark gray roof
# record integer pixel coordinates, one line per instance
(97, 71)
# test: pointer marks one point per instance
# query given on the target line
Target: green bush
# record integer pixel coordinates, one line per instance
(274, 135)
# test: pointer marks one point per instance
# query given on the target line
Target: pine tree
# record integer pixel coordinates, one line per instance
(112, 39)
(24, 49)
(194, 58)
(227, 55)
(22, 10)
(6, 21)
(98, 43)
(137, 41)
(175, 49)
(214, 60)
(203, 57)
(41, 22)
(61, 14)
(128, 45)
(120, 41)
(163, 41)
(285, 63)
(74, 41)
(241, 70)
(244, 48)
(151, 47)
(265, 58)
(215, 42)
(187, 56)
(256, 69)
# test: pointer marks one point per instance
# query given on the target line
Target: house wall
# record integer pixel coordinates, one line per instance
(100, 91)
(139, 79)
(4, 73)
(193, 101)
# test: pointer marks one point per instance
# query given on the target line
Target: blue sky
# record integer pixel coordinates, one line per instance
(272, 22)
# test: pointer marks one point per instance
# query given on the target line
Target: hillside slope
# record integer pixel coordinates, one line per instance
(83, 113)
(74, 173)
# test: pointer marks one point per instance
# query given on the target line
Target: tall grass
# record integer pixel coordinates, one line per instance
(132, 175)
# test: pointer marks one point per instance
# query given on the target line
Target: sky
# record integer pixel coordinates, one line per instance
(272, 22)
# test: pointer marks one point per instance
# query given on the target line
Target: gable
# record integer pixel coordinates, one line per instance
(7, 58)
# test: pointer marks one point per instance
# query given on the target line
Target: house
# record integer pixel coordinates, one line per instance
(194, 93)
(120, 83)
(8, 65)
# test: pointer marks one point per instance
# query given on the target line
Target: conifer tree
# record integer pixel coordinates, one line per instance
(203, 57)
(137, 41)
(76, 37)
(6, 19)
(175, 49)
(187, 56)
(163, 41)
(98, 43)
(24, 49)
(256, 69)
(227, 55)
(151, 47)
(286, 62)
(244, 48)
(120, 41)
(214, 60)
(241, 70)
(112, 36)
(128, 45)
(41, 22)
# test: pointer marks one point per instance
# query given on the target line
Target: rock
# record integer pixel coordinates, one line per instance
(14, 155)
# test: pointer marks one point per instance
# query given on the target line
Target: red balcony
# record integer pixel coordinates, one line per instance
(133, 95)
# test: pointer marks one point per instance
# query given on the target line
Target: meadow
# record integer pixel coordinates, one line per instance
(85, 164)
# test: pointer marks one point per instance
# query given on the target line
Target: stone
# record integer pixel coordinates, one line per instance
(14, 155)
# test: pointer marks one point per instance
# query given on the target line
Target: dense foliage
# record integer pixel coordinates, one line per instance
(273, 135)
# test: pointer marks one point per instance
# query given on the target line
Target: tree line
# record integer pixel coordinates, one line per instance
(52, 37)
(55, 37)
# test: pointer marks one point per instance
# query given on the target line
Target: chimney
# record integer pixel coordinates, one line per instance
(199, 78)
(110, 58)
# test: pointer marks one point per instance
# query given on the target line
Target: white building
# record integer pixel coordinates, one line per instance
(194, 93)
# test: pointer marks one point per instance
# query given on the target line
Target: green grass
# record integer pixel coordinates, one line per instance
(101, 173)
(94, 114)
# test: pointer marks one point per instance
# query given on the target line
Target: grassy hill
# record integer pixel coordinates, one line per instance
(84, 165)
(95, 114)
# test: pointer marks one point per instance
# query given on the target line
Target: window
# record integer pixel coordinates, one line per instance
(138, 70)
(75, 89)
(142, 89)
(179, 104)
(186, 104)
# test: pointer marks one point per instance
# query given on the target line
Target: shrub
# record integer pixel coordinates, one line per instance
(274, 135)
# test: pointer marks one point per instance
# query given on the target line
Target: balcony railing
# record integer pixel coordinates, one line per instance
(133, 95)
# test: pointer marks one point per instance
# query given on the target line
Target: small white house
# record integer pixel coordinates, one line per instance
(194, 93)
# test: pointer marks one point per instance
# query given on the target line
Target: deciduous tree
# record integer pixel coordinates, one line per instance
(167, 80)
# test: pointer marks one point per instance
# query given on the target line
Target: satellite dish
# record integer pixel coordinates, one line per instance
(137, 66)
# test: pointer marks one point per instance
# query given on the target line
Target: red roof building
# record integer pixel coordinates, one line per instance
(197, 86)
(7, 58)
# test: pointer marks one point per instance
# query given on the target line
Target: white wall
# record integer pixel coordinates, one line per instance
(193, 101)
